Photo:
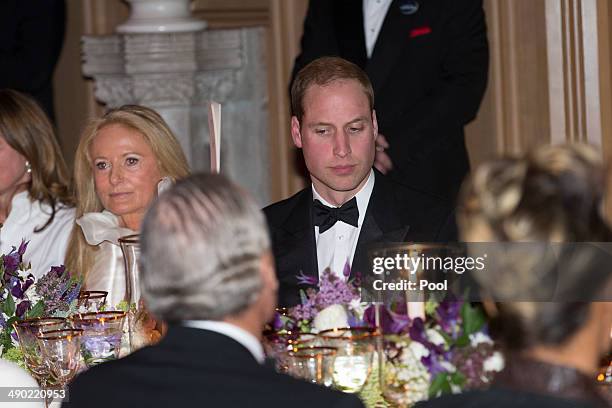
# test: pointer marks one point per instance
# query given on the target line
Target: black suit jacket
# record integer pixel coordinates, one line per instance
(429, 73)
(395, 214)
(196, 368)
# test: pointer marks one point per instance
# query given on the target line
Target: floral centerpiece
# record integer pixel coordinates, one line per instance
(23, 297)
(447, 352)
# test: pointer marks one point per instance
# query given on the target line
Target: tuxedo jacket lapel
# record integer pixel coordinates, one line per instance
(381, 224)
(298, 252)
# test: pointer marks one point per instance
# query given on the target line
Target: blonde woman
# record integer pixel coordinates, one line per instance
(35, 198)
(120, 162)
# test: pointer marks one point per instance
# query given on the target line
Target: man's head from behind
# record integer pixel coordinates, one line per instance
(335, 125)
(205, 253)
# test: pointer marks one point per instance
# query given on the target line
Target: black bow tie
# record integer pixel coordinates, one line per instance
(325, 217)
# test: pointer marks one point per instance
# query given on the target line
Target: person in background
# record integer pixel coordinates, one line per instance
(122, 160)
(31, 39)
(36, 202)
(208, 271)
(428, 62)
(552, 348)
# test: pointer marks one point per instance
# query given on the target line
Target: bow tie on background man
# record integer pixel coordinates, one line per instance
(325, 217)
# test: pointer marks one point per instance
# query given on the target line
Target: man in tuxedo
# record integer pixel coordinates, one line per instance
(428, 63)
(349, 206)
(206, 270)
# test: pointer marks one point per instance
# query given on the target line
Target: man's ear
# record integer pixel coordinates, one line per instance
(374, 124)
(296, 134)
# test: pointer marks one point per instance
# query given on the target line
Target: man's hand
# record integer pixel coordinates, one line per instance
(382, 161)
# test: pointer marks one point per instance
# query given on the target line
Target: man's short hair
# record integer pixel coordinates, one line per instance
(201, 248)
(324, 71)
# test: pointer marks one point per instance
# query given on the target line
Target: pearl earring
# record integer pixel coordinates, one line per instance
(28, 167)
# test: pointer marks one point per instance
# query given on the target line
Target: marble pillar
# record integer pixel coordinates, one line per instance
(177, 73)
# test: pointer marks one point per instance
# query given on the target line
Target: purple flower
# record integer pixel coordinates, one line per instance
(22, 247)
(22, 308)
(11, 262)
(2, 322)
(432, 363)
(347, 269)
(58, 270)
(390, 322)
(306, 280)
(448, 314)
(277, 323)
(417, 333)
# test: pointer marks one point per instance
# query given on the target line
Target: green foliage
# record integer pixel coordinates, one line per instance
(36, 311)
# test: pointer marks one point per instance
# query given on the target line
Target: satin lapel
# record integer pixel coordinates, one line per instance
(348, 23)
(381, 224)
(298, 252)
(391, 39)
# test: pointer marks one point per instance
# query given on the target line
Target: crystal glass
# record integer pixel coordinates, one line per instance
(61, 351)
(27, 332)
(91, 301)
(143, 329)
(314, 364)
(276, 345)
(353, 362)
(102, 333)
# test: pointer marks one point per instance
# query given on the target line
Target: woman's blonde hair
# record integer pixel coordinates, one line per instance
(550, 195)
(170, 159)
(26, 128)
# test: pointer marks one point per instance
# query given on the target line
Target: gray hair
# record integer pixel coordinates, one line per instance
(201, 248)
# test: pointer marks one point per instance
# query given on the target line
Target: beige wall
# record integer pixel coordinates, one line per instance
(550, 78)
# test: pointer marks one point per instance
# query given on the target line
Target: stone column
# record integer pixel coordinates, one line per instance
(177, 73)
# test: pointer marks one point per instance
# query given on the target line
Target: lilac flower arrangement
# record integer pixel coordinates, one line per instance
(22, 297)
(336, 303)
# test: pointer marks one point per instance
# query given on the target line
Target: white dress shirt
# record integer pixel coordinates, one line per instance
(336, 246)
(242, 336)
(374, 12)
(46, 248)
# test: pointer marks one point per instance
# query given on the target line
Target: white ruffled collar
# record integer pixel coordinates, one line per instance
(102, 226)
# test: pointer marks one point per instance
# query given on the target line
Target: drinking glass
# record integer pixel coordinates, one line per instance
(92, 301)
(313, 363)
(353, 362)
(102, 333)
(27, 332)
(61, 351)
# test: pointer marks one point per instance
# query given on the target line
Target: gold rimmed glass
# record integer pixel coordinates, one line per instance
(353, 362)
(314, 364)
(27, 332)
(61, 351)
(91, 301)
(102, 333)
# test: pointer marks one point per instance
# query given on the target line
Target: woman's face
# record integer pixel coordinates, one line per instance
(125, 173)
(13, 174)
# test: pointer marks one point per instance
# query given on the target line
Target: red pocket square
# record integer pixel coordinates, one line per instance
(416, 32)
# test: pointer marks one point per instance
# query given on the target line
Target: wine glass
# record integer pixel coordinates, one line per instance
(353, 362)
(61, 351)
(102, 333)
(91, 301)
(312, 363)
(27, 332)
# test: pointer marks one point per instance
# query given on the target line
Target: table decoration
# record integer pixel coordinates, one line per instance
(447, 351)
(101, 337)
(312, 363)
(24, 297)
